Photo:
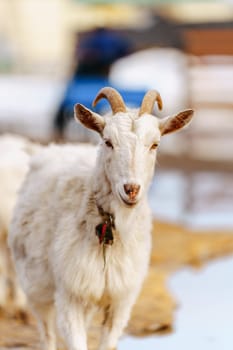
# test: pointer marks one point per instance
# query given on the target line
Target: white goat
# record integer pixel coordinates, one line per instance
(80, 236)
(14, 163)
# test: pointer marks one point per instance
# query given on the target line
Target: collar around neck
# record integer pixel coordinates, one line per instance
(105, 229)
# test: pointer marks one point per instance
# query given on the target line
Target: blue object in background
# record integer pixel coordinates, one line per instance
(84, 89)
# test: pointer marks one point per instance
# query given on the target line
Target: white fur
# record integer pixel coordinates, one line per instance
(14, 163)
(58, 256)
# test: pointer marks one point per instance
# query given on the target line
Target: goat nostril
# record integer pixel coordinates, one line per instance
(131, 190)
(127, 189)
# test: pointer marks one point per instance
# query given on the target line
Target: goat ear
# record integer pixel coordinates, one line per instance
(88, 118)
(176, 122)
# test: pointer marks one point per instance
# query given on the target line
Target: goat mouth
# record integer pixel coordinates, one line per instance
(128, 203)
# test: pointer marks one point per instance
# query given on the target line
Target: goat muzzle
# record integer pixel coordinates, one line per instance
(132, 191)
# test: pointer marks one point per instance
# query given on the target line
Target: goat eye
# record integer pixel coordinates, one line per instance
(108, 143)
(154, 146)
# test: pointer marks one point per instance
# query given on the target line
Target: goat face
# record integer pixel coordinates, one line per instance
(129, 146)
(129, 153)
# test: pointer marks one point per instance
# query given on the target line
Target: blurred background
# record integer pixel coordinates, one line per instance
(56, 53)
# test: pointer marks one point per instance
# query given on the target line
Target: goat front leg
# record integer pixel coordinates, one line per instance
(71, 321)
(115, 320)
(46, 325)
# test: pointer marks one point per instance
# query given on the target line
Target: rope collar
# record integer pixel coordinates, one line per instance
(105, 229)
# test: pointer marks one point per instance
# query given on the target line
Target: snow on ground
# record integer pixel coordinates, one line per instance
(205, 201)
(166, 196)
(204, 318)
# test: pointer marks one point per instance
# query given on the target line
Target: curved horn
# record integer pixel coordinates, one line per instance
(148, 102)
(114, 98)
